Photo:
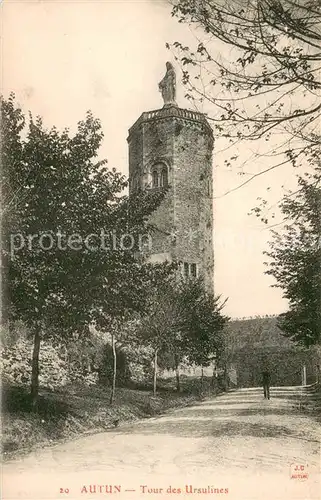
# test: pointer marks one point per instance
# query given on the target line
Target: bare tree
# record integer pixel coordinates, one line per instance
(257, 64)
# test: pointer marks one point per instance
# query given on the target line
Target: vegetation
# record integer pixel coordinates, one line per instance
(253, 345)
(67, 265)
(183, 322)
(265, 88)
(295, 263)
(268, 82)
(66, 413)
(82, 308)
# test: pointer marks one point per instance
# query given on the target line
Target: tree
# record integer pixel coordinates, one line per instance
(159, 326)
(184, 321)
(270, 79)
(66, 258)
(119, 317)
(203, 324)
(295, 263)
(266, 87)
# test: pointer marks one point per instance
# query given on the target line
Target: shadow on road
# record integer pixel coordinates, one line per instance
(191, 428)
(239, 413)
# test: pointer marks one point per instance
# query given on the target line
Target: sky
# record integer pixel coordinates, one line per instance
(64, 57)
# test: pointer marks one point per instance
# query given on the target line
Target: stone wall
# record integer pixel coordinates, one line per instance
(158, 148)
(194, 196)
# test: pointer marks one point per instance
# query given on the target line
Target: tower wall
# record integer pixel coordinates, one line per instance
(183, 141)
(193, 145)
(155, 146)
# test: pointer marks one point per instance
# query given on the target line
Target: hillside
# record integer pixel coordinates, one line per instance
(258, 332)
(253, 345)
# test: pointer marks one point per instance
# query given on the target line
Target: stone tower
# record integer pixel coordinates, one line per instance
(172, 147)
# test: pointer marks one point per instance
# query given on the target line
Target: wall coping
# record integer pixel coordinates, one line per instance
(171, 111)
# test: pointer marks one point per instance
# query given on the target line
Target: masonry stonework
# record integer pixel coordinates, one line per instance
(178, 142)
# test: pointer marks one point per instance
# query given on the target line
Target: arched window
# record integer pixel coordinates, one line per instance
(159, 174)
(155, 178)
(194, 270)
(164, 177)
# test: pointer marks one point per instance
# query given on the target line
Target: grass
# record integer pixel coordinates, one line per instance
(75, 411)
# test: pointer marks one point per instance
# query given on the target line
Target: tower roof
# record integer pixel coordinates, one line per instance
(171, 111)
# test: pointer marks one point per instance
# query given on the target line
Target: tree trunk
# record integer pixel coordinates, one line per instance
(155, 373)
(304, 375)
(35, 369)
(178, 381)
(202, 378)
(113, 389)
(226, 384)
(213, 381)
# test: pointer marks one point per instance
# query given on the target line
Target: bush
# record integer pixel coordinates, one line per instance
(16, 362)
(55, 368)
(140, 363)
(16, 365)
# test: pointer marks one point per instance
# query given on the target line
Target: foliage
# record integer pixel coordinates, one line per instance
(202, 323)
(139, 362)
(184, 322)
(253, 345)
(250, 333)
(82, 356)
(61, 273)
(270, 78)
(267, 86)
(59, 366)
(16, 364)
(295, 263)
(59, 188)
(159, 327)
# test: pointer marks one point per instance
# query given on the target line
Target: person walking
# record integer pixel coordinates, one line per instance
(266, 384)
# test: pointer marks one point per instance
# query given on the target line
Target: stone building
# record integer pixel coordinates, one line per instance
(172, 147)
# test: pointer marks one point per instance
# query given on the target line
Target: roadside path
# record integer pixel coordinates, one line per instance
(236, 446)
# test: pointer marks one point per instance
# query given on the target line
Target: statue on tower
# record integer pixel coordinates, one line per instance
(168, 85)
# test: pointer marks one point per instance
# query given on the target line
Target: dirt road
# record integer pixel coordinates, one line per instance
(236, 446)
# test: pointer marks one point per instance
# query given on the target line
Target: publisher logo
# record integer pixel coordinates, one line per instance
(299, 471)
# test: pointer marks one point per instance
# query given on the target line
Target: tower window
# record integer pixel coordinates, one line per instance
(159, 174)
(164, 177)
(190, 270)
(155, 179)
